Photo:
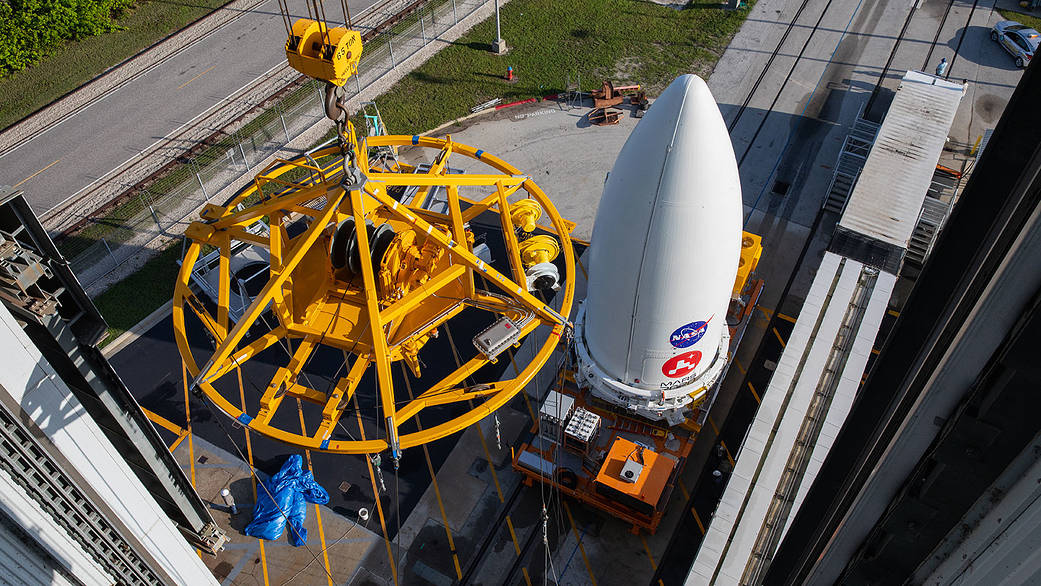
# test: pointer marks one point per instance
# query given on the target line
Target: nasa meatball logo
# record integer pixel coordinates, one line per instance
(681, 365)
(688, 335)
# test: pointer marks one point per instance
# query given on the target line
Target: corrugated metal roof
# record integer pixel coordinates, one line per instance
(887, 199)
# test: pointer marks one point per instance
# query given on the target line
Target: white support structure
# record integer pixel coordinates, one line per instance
(817, 376)
(101, 489)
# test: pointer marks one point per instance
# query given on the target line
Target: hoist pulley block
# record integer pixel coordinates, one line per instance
(328, 54)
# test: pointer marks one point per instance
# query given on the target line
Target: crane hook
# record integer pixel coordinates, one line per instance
(335, 108)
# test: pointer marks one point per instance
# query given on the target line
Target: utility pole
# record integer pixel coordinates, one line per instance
(499, 47)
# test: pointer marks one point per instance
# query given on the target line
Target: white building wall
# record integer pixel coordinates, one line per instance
(32, 383)
(21, 562)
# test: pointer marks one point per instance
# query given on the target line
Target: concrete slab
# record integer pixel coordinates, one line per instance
(566, 156)
(348, 542)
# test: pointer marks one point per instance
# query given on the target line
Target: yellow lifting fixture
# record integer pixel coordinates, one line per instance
(327, 54)
(360, 264)
(376, 294)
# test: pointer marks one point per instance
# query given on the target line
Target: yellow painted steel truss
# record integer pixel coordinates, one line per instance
(386, 306)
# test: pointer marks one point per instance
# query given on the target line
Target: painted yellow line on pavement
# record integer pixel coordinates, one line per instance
(36, 173)
(754, 394)
(578, 538)
(437, 488)
(683, 489)
(444, 515)
(740, 366)
(893, 313)
(647, 549)
(498, 487)
(188, 419)
(726, 450)
(376, 492)
(163, 422)
(178, 441)
(317, 509)
(779, 338)
(697, 520)
(196, 77)
(253, 476)
(488, 456)
(578, 261)
(786, 318)
(713, 425)
(527, 401)
(513, 534)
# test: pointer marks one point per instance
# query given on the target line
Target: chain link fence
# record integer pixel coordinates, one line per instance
(166, 207)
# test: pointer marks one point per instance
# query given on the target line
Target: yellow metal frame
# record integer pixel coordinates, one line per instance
(356, 318)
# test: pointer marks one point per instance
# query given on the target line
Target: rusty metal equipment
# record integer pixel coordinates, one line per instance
(604, 116)
(611, 95)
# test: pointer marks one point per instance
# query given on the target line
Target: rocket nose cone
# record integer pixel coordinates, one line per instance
(666, 242)
(685, 117)
(687, 92)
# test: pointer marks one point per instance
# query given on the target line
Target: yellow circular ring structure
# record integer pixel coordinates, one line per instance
(331, 283)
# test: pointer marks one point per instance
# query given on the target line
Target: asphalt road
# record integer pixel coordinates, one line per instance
(65, 159)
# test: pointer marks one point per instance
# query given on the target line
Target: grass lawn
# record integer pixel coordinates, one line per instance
(1023, 18)
(624, 40)
(80, 61)
(135, 297)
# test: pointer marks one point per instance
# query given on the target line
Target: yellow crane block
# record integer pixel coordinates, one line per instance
(327, 54)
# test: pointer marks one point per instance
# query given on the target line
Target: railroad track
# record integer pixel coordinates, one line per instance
(207, 128)
(878, 86)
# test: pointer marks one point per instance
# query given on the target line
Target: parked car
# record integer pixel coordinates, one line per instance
(1018, 39)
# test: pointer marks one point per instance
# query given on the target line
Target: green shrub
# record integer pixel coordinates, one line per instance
(32, 29)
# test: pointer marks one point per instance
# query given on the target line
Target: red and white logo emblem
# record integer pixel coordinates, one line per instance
(681, 365)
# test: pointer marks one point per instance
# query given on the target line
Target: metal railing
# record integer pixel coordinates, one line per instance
(166, 207)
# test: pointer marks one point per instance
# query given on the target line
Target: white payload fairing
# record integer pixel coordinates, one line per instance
(652, 333)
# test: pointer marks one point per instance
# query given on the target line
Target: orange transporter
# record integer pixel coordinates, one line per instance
(635, 476)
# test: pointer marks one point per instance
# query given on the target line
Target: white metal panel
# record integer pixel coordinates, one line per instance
(887, 200)
(1001, 547)
(665, 244)
(762, 458)
(846, 391)
(33, 384)
(751, 453)
(22, 563)
(785, 429)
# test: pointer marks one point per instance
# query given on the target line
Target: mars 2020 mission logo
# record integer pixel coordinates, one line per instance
(682, 364)
(688, 335)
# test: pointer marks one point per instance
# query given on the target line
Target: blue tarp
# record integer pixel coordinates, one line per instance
(292, 488)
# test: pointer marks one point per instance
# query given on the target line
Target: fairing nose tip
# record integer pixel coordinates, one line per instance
(687, 98)
(690, 86)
